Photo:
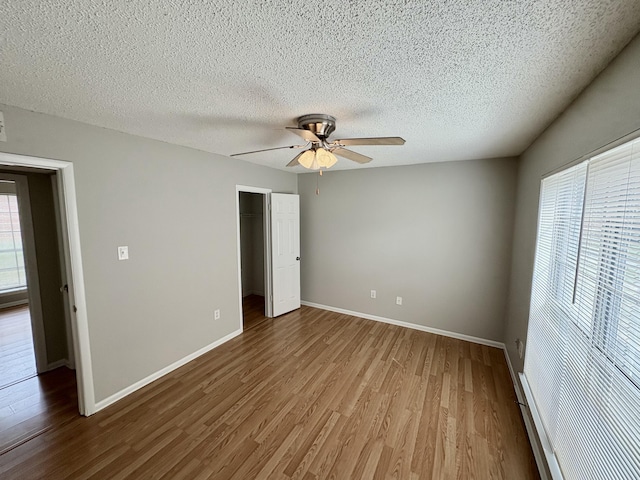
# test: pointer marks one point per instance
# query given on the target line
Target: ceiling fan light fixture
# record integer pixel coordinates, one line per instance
(333, 160)
(307, 158)
(325, 158)
(317, 158)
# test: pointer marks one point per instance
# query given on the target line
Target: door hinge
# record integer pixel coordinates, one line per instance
(75, 309)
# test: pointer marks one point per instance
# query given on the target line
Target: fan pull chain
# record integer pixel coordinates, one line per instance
(318, 184)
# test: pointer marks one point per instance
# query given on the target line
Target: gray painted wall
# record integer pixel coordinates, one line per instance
(157, 307)
(438, 235)
(606, 111)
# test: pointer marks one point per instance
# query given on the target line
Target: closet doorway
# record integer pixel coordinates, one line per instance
(268, 253)
(253, 268)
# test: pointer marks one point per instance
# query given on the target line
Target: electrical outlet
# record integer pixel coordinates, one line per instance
(373, 294)
(216, 314)
(123, 253)
(520, 347)
(3, 132)
(398, 300)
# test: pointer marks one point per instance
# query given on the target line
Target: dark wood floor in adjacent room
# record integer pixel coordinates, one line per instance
(253, 311)
(308, 395)
(29, 405)
(36, 405)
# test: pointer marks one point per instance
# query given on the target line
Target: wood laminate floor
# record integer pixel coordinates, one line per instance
(17, 359)
(309, 395)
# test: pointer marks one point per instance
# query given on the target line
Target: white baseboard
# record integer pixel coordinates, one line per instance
(63, 362)
(160, 373)
(514, 378)
(538, 438)
(414, 326)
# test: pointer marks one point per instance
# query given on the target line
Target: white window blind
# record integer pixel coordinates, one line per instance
(582, 364)
(12, 273)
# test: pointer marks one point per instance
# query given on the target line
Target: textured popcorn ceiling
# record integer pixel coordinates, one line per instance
(457, 79)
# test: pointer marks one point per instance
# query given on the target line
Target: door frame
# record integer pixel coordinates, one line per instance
(68, 210)
(266, 230)
(61, 229)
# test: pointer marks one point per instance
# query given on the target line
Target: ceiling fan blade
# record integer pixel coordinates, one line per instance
(266, 150)
(370, 141)
(351, 155)
(308, 135)
(294, 162)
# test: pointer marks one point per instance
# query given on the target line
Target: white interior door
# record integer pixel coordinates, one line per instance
(285, 252)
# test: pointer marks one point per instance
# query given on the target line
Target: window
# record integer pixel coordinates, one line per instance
(582, 368)
(12, 273)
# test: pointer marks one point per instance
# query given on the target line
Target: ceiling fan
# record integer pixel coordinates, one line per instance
(319, 151)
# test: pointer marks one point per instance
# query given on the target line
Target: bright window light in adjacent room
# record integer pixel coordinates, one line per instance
(12, 270)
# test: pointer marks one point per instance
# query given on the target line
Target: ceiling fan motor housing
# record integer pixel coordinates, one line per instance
(320, 124)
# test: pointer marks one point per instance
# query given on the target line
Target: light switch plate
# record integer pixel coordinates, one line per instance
(123, 253)
(398, 300)
(3, 132)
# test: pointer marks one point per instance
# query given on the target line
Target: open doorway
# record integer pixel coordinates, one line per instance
(37, 381)
(32, 267)
(252, 207)
(17, 354)
(276, 247)
(68, 288)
